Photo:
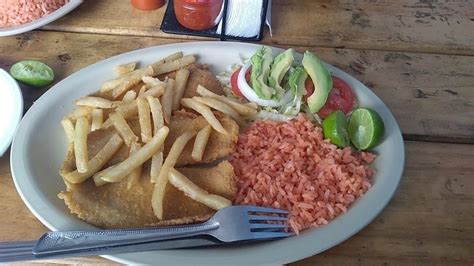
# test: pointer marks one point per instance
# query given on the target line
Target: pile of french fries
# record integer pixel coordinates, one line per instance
(138, 93)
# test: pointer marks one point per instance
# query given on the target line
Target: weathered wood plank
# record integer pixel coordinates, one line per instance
(428, 222)
(404, 25)
(14, 211)
(432, 96)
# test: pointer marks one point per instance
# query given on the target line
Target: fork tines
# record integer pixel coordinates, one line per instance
(266, 210)
(268, 222)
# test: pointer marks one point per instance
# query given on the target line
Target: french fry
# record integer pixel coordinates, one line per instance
(156, 113)
(80, 144)
(206, 112)
(144, 119)
(126, 110)
(134, 176)
(151, 81)
(196, 193)
(157, 64)
(95, 102)
(221, 107)
(182, 76)
(155, 86)
(158, 122)
(129, 81)
(98, 181)
(125, 68)
(173, 57)
(170, 162)
(243, 109)
(129, 96)
(173, 65)
(124, 168)
(123, 128)
(167, 100)
(113, 83)
(155, 91)
(81, 111)
(141, 92)
(97, 119)
(156, 165)
(107, 123)
(97, 162)
(68, 127)
(122, 84)
(200, 143)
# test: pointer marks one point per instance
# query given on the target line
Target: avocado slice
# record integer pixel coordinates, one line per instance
(281, 64)
(296, 82)
(261, 61)
(321, 79)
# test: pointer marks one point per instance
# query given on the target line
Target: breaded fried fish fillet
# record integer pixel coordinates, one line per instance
(217, 180)
(204, 78)
(114, 206)
(198, 76)
(218, 146)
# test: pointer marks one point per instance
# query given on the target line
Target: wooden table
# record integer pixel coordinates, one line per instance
(417, 56)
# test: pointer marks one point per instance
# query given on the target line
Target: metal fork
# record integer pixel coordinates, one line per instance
(228, 225)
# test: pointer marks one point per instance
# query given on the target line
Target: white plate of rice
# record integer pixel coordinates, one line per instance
(19, 16)
(38, 182)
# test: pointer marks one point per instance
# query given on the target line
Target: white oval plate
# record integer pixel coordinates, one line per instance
(40, 146)
(11, 108)
(71, 5)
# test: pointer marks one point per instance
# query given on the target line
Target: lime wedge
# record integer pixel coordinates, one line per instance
(334, 129)
(33, 73)
(366, 128)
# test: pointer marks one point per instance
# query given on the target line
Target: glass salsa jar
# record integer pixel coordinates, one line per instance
(198, 14)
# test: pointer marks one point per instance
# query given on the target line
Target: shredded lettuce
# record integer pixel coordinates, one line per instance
(224, 76)
(270, 115)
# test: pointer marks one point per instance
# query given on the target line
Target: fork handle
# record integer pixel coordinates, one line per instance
(16, 251)
(20, 251)
(70, 241)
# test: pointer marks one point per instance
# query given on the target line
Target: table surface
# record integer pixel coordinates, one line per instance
(417, 56)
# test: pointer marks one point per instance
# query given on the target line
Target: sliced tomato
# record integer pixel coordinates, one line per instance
(234, 84)
(341, 97)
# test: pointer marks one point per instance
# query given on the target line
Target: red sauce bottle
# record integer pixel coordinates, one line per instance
(198, 14)
(147, 4)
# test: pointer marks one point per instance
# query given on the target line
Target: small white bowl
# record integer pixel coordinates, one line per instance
(72, 4)
(11, 108)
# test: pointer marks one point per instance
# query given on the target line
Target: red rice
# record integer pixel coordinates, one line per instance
(289, 165)
(18, 12)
